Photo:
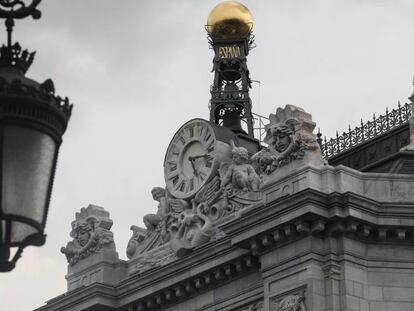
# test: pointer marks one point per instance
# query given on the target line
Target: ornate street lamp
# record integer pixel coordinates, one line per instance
(32, 122)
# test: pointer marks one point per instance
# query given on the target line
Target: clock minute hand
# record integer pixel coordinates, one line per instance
(193, 158)
(198, 157)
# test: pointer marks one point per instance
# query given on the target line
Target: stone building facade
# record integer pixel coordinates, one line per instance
(312, 237)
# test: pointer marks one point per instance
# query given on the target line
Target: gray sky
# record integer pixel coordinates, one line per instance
(137, 70)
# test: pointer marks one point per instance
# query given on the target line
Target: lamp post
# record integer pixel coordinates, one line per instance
(32, 122)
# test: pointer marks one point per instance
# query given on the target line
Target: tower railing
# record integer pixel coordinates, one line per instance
(259, 128)
(367, 131)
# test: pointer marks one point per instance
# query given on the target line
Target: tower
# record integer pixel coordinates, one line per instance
(229, 28)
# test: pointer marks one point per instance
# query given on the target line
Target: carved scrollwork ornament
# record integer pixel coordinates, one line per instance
(17, 9)
(258, 306)
(90, 233)
(290, 138)
(292, 303)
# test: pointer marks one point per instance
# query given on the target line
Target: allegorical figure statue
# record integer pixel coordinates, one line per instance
(151, 221)
(240, 173)
(161, 226)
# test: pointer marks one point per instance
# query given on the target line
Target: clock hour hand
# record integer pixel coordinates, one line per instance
(193, 158)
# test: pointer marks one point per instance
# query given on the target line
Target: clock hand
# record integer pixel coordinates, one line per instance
(193, 158)
(206, 156)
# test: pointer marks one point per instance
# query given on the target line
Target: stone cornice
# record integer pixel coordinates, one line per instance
(184, 278)
(198, 262)
(310, 212)
(84, 298)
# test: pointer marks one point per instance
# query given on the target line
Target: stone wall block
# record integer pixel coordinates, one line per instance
(359, 290)
(375, 293)
(398, 294)
(390, 306)
(363, 305)
(350, 303)
(391, 278)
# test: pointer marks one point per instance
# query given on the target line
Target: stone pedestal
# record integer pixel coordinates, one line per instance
(103, 267)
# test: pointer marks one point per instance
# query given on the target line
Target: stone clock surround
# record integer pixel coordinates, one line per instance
(195, 139)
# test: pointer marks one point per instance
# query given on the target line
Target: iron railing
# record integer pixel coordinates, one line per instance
(259, 127)
(367, 131)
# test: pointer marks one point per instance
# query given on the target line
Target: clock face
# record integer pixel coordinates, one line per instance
(191, 159)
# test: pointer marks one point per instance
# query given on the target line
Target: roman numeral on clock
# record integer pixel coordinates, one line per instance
(175, 150)
(172, 164)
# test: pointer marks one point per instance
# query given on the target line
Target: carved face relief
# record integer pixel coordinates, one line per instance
(90, 233)
(281, 141)
(83, 237)
(158, 193)
(237, 159)
(240, 155)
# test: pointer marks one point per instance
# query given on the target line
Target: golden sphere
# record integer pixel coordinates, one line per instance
(230, 20)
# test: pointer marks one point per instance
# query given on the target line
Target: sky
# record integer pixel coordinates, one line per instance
(137, 70)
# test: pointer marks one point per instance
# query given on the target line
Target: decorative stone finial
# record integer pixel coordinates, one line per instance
(290, 137)
(90, 232)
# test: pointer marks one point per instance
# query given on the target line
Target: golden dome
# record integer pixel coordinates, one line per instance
(230, 20)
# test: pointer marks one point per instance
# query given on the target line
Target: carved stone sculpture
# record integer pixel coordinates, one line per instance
(158, 220)
(292, 303)
(195, 228)
(138, 236)
(161, 226)
(185, 225)
(224, 201)
(151, 260)
(258, 306)
(240, 173)
(90, 232)
(289, 136)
